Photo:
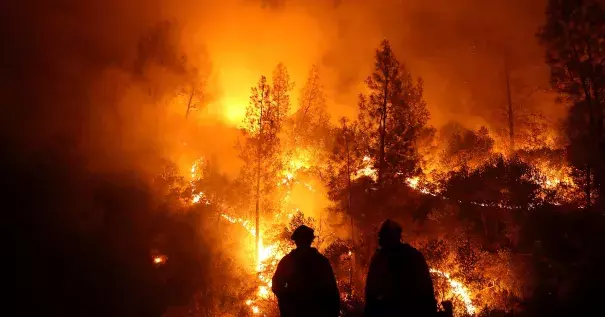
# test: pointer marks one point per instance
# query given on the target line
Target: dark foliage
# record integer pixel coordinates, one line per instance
(85, 242)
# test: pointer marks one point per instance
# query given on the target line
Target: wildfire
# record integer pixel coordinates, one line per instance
(249, 226)
(550, 177)
(197, 197)
(255, 310)
(457, 289)
(413, 182)
(272, 255)
(267, 254)
(367, 170)
(299, 159)
(197, 169)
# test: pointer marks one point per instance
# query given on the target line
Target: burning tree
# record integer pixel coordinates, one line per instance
(345, 161)
(280, 93)
(311, 119)
(261, 145)
(468, 149)
(310, 126)
(392, 114)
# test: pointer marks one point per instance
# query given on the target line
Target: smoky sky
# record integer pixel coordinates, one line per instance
(57, 56)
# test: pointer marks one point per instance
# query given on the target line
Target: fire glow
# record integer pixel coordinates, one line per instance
(457, 289)
(159, 259)
(269, 255)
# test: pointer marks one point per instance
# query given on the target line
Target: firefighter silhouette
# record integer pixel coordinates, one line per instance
(304, 282)
(398, 282)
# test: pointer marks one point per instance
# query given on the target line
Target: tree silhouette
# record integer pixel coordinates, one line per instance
(345, 160)
(468, 148)
(573, 37)
(261, 144)
(392, 114)
(311, 119)
(525, 127)
(497, 190)
(280, 93)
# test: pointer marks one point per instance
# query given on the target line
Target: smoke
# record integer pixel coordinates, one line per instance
(70, 65)
(458, 47)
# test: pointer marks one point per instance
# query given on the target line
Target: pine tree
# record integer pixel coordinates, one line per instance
(280, 93)
(311, 119)
(261, 146)
(574, 39)
(393, 114)
(345, 159)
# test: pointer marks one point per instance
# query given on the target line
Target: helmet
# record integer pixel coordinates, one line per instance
(390, 230)
(303, 233)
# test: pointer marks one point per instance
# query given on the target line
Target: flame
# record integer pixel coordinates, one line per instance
(196, 171)
(413, 182)
(297, 160)
(367, 170)
(255, 310)
(457, 289)
(421, 184)
(196, 197)
(266, 254)
(269, 255)
(244, 223)
(159, 259)
(263, 292)
(550, 177)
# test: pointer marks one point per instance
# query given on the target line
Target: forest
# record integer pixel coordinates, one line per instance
(144, 181)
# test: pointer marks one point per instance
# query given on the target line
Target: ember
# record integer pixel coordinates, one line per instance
(159, 260)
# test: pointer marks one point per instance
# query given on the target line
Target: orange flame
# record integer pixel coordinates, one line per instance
(457, 289)
(159, 259)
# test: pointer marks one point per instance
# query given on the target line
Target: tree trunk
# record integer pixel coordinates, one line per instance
(278, 103)
(349, 209)
(588, 187)
(594, 137)
(382, 132)
(189, 103)
(485, 225)
(258, 167)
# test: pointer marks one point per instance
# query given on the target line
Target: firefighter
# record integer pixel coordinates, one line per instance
(398, 282)
(304, 282)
